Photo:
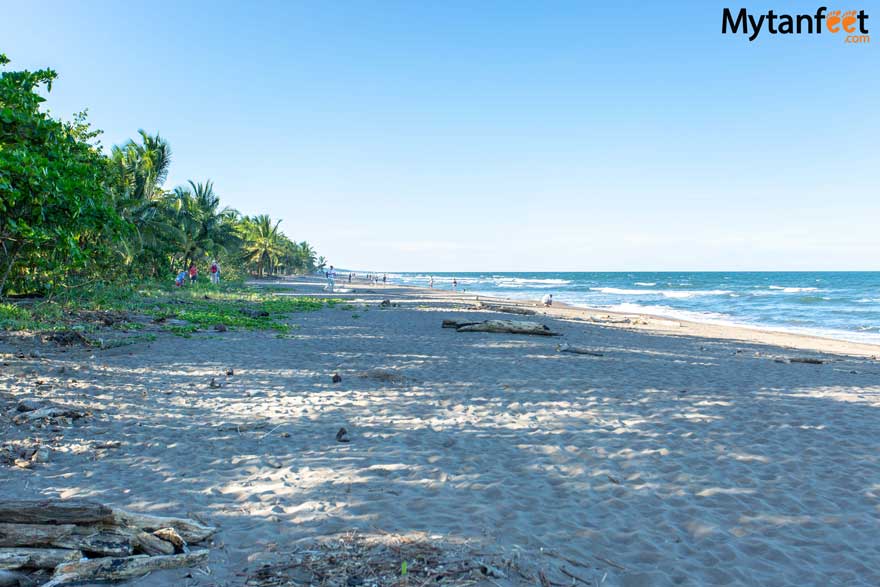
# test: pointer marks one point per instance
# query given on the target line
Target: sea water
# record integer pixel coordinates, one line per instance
(843, 305)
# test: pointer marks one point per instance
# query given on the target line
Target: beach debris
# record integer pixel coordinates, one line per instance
(416, 558)
(271, 462)
(213, 384)
(578, 350)
(337, 378)
(68, 338)
(29, 405)
(220, 327)
(342, 435)
(88, 541)
(51, 413)
(458, 323)
(807, 360)
(384, 375)
(506, 309)
(508, 327)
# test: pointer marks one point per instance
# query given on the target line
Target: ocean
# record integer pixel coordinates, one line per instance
(842, 305)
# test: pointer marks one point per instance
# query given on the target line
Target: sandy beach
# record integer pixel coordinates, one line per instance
(686, 454)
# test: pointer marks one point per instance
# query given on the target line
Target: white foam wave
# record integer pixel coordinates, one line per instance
(792, 289)
(666, 293)
(646, 283)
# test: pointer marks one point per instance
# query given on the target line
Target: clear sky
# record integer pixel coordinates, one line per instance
(493, 136)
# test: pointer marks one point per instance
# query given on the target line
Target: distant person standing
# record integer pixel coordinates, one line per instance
(547, 300)
(215, 272)
(384, 279)
(431, 281)
(331, 279)
(349, 277)
(193, 273)
(454, 283)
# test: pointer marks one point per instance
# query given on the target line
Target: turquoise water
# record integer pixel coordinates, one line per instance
(844, 305)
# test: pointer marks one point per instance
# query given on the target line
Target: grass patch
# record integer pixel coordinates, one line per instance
(202, 306)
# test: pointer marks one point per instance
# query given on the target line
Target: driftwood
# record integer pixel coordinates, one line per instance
(189, 530)
(578, 350)
(12, 579)
(508, 327)
(149, 544)
(97, 543)
(40, 535)
(87, 539)
(36, 558)
(55, 512)
(121, 569)
(807, 360)
(458, 323)
(506, 309)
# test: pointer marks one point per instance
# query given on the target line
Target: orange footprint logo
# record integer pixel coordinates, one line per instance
(849, 21)
(833, 21)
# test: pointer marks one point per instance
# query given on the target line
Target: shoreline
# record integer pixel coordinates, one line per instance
(644, 322)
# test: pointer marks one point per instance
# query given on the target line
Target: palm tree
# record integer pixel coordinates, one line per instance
(262, 243)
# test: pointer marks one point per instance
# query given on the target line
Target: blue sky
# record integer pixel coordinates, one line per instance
(493, 135)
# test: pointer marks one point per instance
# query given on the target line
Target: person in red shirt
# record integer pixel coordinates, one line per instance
(193, 273)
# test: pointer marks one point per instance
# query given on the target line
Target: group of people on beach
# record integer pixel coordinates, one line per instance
(193, 274)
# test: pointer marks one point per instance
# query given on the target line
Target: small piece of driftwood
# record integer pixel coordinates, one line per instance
(121, 569)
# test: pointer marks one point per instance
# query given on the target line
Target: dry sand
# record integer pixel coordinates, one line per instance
(686, 455)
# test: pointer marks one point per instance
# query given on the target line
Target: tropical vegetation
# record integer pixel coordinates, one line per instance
(71, 214)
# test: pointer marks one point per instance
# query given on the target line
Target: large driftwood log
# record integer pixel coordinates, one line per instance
(508, 327)
(36, 558)
(189, 530)
(121, 569)
(89, 539)
(53, 511)
(458, 323)
(506, 309)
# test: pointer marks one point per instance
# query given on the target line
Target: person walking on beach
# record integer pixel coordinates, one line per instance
(384, 279)
(454, 283)
(215, 272)
(193, 273)
(431, 281)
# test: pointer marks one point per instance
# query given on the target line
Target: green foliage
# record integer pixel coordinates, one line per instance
(55, 208)
(70, 216)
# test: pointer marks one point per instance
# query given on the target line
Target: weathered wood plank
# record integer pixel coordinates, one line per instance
(53, 511)
(121, 569)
